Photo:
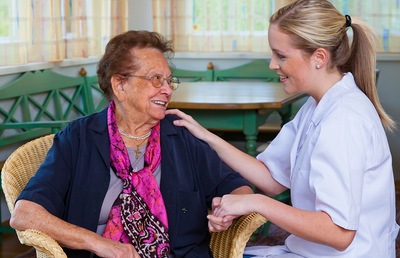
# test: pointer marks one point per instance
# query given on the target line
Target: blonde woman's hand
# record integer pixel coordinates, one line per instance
(187, 121)
(235, 205)
(217, 224)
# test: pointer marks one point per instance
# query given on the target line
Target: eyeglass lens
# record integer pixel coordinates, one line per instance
(158, 81)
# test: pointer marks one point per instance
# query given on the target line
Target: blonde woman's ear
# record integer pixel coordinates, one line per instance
(321, 57)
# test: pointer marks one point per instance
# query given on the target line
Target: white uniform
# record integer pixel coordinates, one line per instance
(335, 158)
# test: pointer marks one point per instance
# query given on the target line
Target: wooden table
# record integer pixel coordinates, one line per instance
(234, 105)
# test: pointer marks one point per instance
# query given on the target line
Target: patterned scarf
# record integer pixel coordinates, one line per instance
(138, 215)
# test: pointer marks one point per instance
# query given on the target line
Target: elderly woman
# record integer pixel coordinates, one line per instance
(127, 173)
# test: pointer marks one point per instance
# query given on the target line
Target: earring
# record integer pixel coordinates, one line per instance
(318, 66)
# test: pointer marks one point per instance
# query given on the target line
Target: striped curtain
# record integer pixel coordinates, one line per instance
(53, 30)
(242, 25)
(216, 25)
(382, 15)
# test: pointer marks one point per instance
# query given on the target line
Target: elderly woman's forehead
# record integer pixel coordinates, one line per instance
(148, 59)
(145, 51)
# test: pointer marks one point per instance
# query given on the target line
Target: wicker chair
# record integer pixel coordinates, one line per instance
(22, 165)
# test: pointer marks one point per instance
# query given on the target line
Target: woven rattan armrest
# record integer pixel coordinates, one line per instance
(231, 242)
(45, 246)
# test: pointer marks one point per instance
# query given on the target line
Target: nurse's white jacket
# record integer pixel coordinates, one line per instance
(335, 158)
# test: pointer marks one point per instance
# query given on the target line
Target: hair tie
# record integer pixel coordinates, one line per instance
(348, 20)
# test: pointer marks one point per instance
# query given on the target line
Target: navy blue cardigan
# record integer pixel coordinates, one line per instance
(73, 180)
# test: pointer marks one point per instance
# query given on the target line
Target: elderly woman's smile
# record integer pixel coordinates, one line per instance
(162, 103)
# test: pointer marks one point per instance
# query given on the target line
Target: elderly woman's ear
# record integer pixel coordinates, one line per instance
(118, 86)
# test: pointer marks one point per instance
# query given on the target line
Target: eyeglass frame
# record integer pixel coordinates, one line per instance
(169, 81)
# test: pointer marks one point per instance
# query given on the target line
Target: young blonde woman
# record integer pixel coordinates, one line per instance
(334, 155)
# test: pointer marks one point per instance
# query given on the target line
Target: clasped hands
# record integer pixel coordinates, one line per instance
(225, 209)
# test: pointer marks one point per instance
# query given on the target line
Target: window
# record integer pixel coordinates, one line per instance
(53, 30)
(242, 25)
(382, 15)
(3, 24)
(215, 26)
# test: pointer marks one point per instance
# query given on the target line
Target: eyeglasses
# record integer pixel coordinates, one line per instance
(158, 80)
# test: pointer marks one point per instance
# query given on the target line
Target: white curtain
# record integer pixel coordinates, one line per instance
(242, 25)
(52, 30)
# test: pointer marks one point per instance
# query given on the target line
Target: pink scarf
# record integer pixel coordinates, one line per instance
(138, 215)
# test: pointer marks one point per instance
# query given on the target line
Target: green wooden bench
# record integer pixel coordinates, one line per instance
(43, 102)
(255, 70)
(195, 76)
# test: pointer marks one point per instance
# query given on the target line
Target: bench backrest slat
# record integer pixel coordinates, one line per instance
(257, 69)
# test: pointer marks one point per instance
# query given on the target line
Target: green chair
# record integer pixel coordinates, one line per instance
(257, 70)
(194, 76)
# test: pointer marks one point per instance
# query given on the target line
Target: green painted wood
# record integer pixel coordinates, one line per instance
(250, 130)
(220, 119)
(37, 82)
(24, 136)
(43, 102)
(74, 102)
(209, 75)
(93, 89)
(88, 95)
(257, 69)
(37, 124)
(193, 76)
(42, 107)
(25, 108)
(286, 113)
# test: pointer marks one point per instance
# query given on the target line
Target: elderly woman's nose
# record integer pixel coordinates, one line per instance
(167, 86)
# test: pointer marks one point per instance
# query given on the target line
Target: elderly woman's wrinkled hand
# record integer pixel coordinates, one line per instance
(217, 224)
(113, 249)
(187, 121)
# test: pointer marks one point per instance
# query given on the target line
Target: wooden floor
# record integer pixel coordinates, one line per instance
(11, 247)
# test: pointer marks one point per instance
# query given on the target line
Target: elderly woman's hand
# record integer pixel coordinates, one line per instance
(215, 223)
(187, 121)
(112, 249)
